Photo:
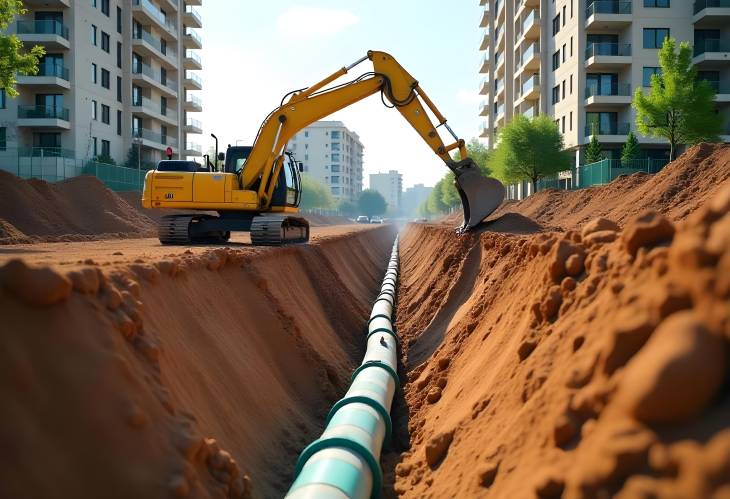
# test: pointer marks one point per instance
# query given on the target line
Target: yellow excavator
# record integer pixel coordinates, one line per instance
(259, 188)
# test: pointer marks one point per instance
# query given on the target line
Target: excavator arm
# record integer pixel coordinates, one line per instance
(479, 195)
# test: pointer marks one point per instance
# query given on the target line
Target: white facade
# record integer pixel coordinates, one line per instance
(116, 74)
(333, 155)
(413, 198)
(390, 186)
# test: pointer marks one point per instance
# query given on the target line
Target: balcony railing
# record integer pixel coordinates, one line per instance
(194, 35)
(155, 13)
(154, 107)
(618, 89)
(43, 112)
(197, 101)
(711, 45)
(710, 4)
(57, 70)
(531, 52)
(146, 134)
(191, 122)
(608, 48)
(608, 7)
(42, 28)
(530, 83)
(194, 12)
(530, 112)
(189, 75)
(720, 87)
(529, 20)
(140, 68)
(156, 43)
(191, 54)
(191, 146)
(604, 129)
(499, 110)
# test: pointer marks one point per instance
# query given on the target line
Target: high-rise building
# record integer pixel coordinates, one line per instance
(413, 198)
(332, 154)
(580, 61)
(116, 75)
(390, 186)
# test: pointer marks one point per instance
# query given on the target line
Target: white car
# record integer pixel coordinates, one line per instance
(362, 219)
(376, 220)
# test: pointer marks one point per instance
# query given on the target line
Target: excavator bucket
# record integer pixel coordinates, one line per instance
(480, 195)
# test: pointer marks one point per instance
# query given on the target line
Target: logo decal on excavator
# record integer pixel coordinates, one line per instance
(169, 195)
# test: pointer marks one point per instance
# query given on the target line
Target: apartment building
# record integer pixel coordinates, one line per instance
(390, 186)
(332, 154)
(117, 74)
(413, 198)
(580, 62)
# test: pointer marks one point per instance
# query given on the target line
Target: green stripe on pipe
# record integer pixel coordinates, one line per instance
(382, 299)
(380, 316)
(367, 401)
(336, 473)
(377, 363)
(326, 443)
(384, 330)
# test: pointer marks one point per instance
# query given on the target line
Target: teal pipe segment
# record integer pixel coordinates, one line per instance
(344, 461)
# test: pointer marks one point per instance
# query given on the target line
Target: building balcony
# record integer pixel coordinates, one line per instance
(482, 3)
(146, 44)
(484, 22)
(44, 117)
(499, 114)
(531, 26)
(710, 12)
(147, 108)
(530, 112)
(55, 4)
(484, 86)
(499, 39)
(197, 3)
(613, 133)
(193, 104)
(530, 60)
(608, 14)
(50, 34)
(616, 95)
(484, 63)
(485, 40)
(191, 17)
(499, 91)
(155, 140)
(711, 51)
(192, 60)
(193, 126)
(499, 63)
(525, 4)
(148, 13)
(192, 39)
(193, 149)
(48, 75)
(192, 81)
(530, 89)
(722, 90)
(484, 108)
(144, 76)
(175, 4)
(607, 55)
(484, 129)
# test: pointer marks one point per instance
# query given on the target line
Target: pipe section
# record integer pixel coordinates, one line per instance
(345, 461)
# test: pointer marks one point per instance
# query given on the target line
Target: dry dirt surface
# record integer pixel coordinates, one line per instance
(587, 363)
(201, 374)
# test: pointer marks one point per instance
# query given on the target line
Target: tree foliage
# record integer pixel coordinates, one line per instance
(347, 208)
(315, 194)
(679, 107)
(529, 149)
(371, 203)
(630, 150)
(593, 150)
(13, 60)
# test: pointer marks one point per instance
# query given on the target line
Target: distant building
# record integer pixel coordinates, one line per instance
(332, 154)
(413, 198)
(390, 185)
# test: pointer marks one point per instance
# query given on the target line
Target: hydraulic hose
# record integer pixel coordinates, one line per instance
(345, 461)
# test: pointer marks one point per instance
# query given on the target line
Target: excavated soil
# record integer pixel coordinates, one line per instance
(587, 363)
(198, 375)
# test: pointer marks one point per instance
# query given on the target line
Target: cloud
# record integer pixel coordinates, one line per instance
(312, 22)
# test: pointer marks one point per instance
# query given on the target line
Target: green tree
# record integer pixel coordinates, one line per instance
(479, 153)
(315, 194)
(107, 160)
(529, 149)
(630, 150)
(371, 203)
(13, 61)
(435, 203)
(347, 208)
(679, 107)
(593, 150)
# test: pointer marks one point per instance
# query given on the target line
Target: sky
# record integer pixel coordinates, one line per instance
(254, 52)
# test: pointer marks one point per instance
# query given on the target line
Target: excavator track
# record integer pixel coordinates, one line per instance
(277, 230)
(175, 229)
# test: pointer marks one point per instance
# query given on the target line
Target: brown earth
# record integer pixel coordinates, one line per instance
(202, 374)
(581, 364)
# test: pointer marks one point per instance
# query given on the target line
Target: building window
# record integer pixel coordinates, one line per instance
(163, 134)
(96, 146)
(93, 3)
(47, 140)
(335, 158)
(556, 24)
(93, 110)
(105, 148)
(664, 4)
(163, 106)
(556, 60)
(563, 92)
(119, 54)
(335, 146)
(105, 78)
(336, 191)
(93, 72)
(3, 138)
(556, 94)
(570, 122)
(335, 168)
(647, 73)
(564, 16)
(119, 19)
(571, 9)
(93, 35)
(105, 42)
(335, 134)
(571, 46)
(564, 53)
(105, 7)
(602, 123)
(105, 115)
(571, 84)
(3, 98)
(563, 121)
(119, 123)
(119, 89)
(335, 179)
(306, 133)
(654, 37)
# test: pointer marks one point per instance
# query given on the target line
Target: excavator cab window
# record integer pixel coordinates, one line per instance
(236, 157)
(287, 190)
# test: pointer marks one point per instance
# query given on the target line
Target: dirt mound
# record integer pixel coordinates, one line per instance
(79, 208)
(571, 364)
(201, 375)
